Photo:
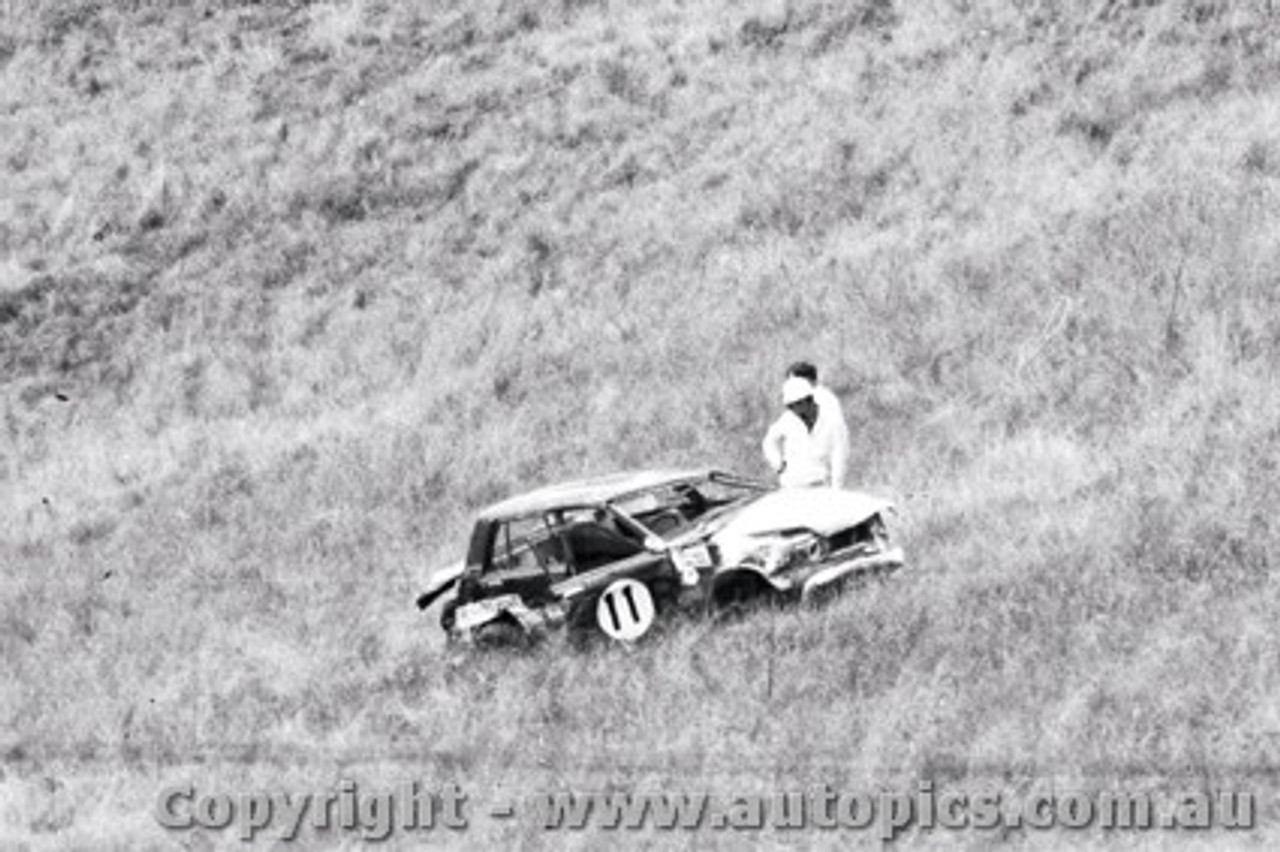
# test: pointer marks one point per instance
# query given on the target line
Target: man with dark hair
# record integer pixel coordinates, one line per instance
(809, 444)
(804, 370)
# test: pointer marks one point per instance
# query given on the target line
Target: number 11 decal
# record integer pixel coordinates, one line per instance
(625, 610)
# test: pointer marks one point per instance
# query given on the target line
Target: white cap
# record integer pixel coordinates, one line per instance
(795, 389)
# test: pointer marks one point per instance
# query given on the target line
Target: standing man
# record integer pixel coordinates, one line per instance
(809, 444)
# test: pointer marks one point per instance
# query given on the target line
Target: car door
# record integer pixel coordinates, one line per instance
(526, 558)
(591, 537)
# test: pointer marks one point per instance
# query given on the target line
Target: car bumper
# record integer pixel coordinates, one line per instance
(829, 577)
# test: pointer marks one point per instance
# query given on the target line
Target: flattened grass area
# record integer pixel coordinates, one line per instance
(288, 290)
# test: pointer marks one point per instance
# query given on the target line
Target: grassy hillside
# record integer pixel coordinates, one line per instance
(288, 290)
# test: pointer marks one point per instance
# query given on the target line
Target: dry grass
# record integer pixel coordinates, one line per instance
(287, 290)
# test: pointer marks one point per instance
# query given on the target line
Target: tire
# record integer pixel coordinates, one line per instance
(740, 597)
(447, 613)
(502, 634)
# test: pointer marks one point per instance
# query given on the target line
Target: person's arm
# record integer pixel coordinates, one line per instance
(772, 447)
(839, 455)
(840, 443)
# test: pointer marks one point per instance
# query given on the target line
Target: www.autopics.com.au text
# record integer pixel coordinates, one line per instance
(412, 806)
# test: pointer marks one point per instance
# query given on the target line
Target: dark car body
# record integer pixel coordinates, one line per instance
(611, 553)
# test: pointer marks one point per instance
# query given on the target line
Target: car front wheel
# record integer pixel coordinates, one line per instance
(736, 598)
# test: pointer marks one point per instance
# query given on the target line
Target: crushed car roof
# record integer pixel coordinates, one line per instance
(592, 491)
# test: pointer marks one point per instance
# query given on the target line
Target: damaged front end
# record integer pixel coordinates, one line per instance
(802, 545)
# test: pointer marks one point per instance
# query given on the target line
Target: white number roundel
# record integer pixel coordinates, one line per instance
(625, 611)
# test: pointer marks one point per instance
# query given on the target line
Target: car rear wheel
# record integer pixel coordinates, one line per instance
(501, 634)
(448, 614)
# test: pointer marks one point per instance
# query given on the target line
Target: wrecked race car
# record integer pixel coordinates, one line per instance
(613, 554)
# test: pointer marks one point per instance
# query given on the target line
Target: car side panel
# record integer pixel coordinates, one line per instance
(645, 566)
